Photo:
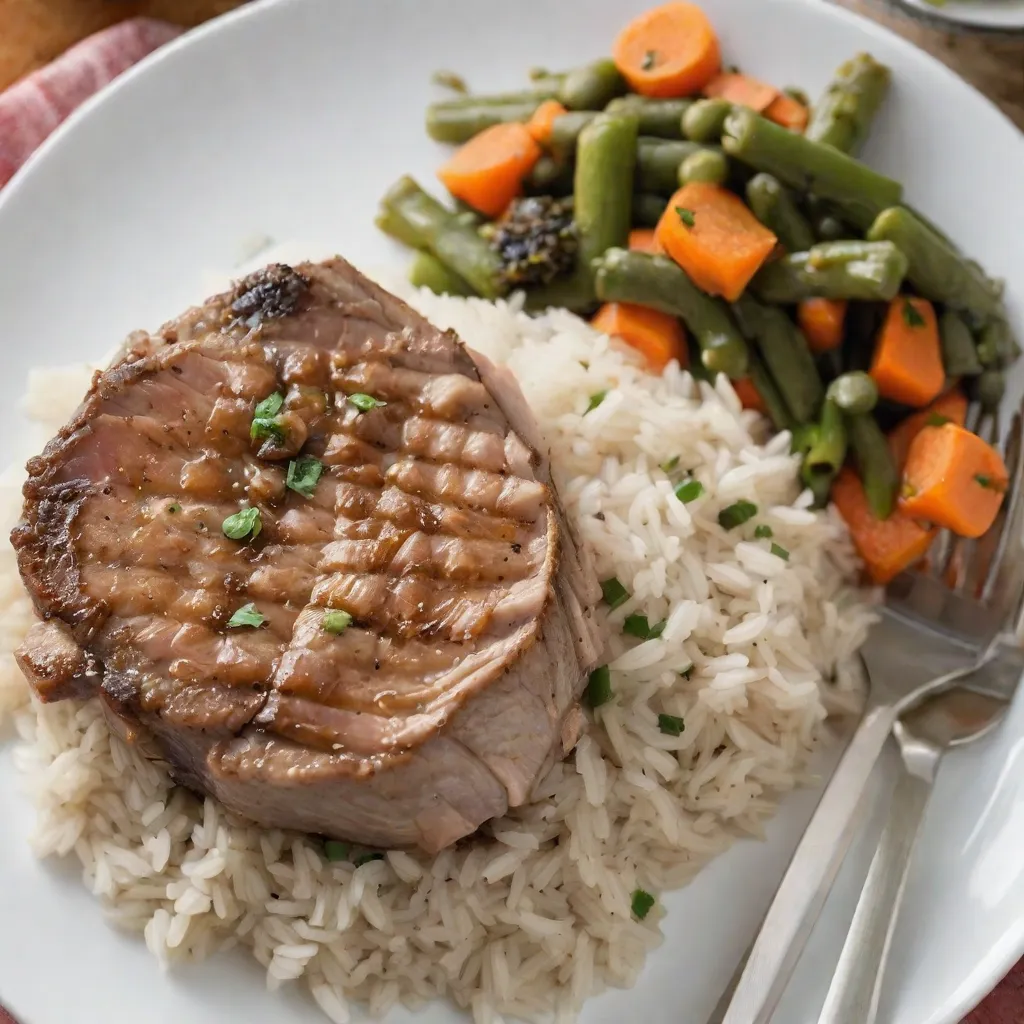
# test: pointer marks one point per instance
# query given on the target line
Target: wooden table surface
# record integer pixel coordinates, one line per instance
(33, 32)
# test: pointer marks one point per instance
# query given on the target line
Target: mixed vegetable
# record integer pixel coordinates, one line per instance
(706, 217)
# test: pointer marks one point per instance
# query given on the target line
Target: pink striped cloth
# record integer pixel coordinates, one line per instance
(31, 109)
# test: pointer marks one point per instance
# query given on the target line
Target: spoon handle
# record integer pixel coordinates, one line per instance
(857, 982)
(807, 881)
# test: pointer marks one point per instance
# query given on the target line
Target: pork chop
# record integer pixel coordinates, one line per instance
(389, 644)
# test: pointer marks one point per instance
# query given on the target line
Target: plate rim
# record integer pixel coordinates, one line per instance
(988, 972)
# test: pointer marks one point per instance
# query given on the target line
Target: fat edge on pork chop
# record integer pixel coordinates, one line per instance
(389, 644)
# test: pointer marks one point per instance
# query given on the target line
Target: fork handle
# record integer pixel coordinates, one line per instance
(808, 878)
(857, 982)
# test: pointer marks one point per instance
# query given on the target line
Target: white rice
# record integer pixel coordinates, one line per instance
(747, 658)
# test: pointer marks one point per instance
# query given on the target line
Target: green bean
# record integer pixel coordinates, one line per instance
(843, 115)
(704, 121)
(878, 471)
(774, 403)
(427, 271)
(565, 132)
(937, 271)
(550, 177)
(786, 355)
(459, 123)
(828, 228)
(704, 165)
(593, 86)
(398, 228)
(805, 437)
(574, 292)
(773, 206)
(603, 184)
(658, 162)
(827, 454)
(794, 92)
(959, 356)
(853, 392)
(647, 209)
(997, 348)
(860, 192)
(458, 246)
(541, 89)
(661, 118)
(661, 284)
(865, 271)
(989, 388)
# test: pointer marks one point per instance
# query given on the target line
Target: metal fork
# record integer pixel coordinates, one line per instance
(924, 731)
(930, 636)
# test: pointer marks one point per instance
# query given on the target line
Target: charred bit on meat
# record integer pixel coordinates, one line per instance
(271, 292)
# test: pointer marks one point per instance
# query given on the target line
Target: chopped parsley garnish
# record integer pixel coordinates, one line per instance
(245, 523)
(686, 216)
(336, 851)
(270, 406)
(336, 621)
(450, 80)
(173, 508)
(364, 403)
(649, 61)
(689, 490)
(247, 615)
(595, 401)
(641, 903)
(936, 419)
(991, 483)
(264, 422)
(669, 465)
(599, 686)
(365, 858)
(303, 475)
(614, 593)
(763, 532)
(671, 725)
(780, 552)
(911, 316)
(736, 514)
(640, 627)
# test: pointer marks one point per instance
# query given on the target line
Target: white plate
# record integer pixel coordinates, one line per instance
(986, 15)
(289, 119)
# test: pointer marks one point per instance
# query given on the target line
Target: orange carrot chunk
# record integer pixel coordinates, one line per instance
(948, 408)
(487, 172)
(644, 240)
(788, 112)
(659, 337)
(907, 364)
(710, 233)
(821, 320)
(954, 479)
(887, 546)
(670, 50)
(539, 126)
(749, 396)
(742, 90)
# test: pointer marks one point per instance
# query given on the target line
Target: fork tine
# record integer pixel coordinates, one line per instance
(1005, 571)
(945, 556)
(976, 556)
(987, 597)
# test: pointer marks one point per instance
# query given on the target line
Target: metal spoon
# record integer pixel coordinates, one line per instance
(924, 732)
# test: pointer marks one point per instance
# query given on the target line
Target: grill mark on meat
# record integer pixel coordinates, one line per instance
(432, 525)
